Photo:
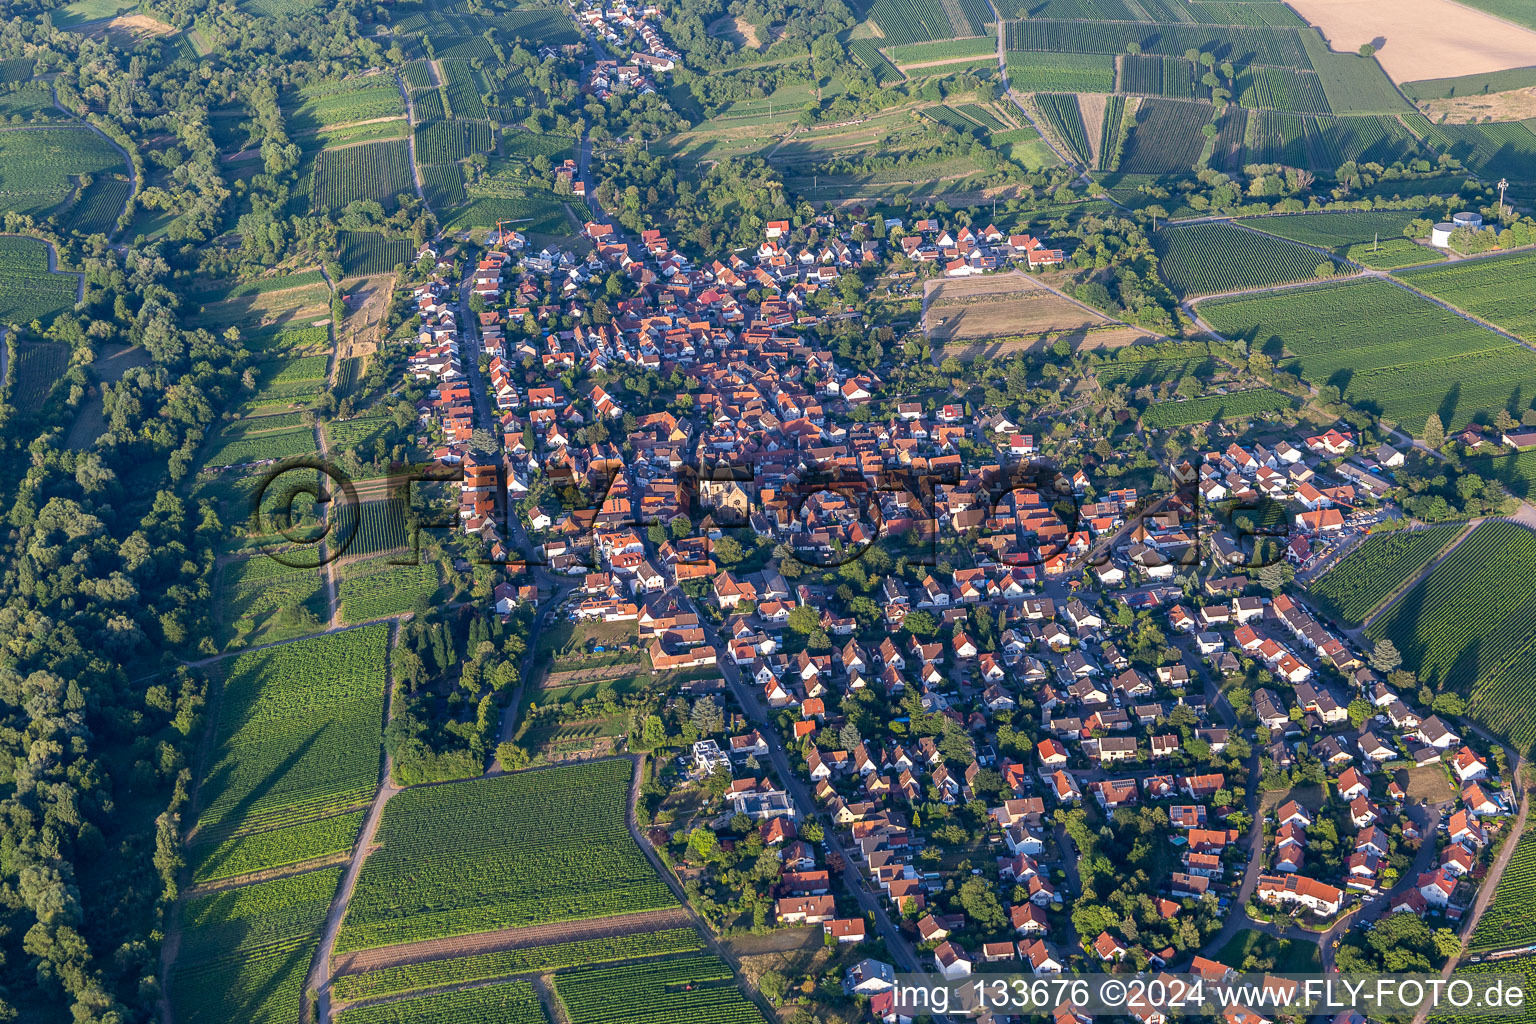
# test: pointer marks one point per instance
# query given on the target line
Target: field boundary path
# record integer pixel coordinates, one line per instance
(458, 946)
(327, 564)
(1002, 71)
(1387, 602)
(1490, 884)
(410, 122)
(318, 981)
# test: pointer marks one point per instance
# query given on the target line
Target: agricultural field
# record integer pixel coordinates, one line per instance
(84, 11)
(1391, 254)
(1001, 305)
(39, 365)
(374, 589)
(296, 739)
(444, 142)
(1471, 85)
(238, 448)
(287, 846)
(506, 963)
(1515, 965)
(916, 21)
(462, 88)
(1061, 72)
(1381, 563)
(535, 211)
(1277, 47)
(1517, 471)
(287, 380)
(367, 252)
(1496, 289)
(1334, 231)
(28, 291)
(1112, 131)
(30, 102)
(1508, 921)
(375, 170)
(1333, 140)
(1276, 138)
(511, 1002)
(1470, 626)
(417, 75)
(1204, 259)
(943, 49)
(372, 526)
(868, 54)
(1140, 373)
(427, 105)
(1239, 405)
(688, 990)
(38, 167)
(1169, 77)
(354, 99)
(442, 185)
(245, 952)
(1491, 150)
(1167, 138)
(1385, 348)
(1064, 114)
(527, 145)
(1281, 89)
(96, 207)
(349, 374)
(359, 434)
(1353, 84)
(503, 852)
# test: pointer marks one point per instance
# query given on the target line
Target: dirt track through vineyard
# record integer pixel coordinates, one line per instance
(510, 938)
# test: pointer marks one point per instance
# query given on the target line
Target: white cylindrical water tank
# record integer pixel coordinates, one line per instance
(1468, 219)
(1440, 234)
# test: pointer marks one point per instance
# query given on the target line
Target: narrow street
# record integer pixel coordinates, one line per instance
(902, 950)
(469, 356)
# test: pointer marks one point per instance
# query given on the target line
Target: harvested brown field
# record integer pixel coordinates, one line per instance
(1423, 38)
(1515, 105)
(127, 30)
(735, 30)
(997, 304)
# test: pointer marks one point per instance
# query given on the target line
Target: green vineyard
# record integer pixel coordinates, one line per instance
(1470, 626)
(512, 1002)
(1062, 113)
(689, 990)
(505, 963)
(28, 290)
(1497, 289)
(521, 849)
(1204, 259)
(1508, 921)
(1209, 409)
(245, 952)
(297, 734)
(1365, 577)
(1387, 349)
(377, 170)
(368, 252)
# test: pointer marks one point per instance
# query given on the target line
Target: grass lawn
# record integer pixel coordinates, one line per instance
(1310, 797)
(1285, 956)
